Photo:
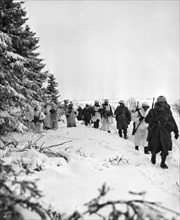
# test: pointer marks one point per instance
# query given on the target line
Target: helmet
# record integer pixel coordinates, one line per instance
(121, 101)
(145, 104)
(161, 99)
(106, 100)
(96, 102)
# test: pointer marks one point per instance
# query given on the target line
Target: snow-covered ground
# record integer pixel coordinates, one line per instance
(97, 157)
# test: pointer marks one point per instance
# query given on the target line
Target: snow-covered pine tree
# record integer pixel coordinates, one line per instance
(52, 91)
(26, 71)
(21, 75)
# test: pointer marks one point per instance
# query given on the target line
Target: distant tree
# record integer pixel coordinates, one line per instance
(131, 103)
(52, 91)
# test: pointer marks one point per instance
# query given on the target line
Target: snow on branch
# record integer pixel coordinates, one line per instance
(5, 40)
(15, 204)
(14, 93)
(32, 156)
(124, 209)
(15, 56)
(135, 209)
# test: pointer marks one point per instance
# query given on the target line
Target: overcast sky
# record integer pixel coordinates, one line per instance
(109, 49)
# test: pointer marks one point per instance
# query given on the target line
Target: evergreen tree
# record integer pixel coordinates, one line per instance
(52, 91)
(20, 66)
(21, 69)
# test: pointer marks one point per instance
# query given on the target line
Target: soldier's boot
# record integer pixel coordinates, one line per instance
(136, 147)
(153, 158)
(125, 135)
(163, 165)
(146, 150)
(120, 133)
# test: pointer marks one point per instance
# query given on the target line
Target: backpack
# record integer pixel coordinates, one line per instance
(37, 118)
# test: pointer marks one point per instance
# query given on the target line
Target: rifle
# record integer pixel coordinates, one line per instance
(137, 106)
(153, 103)
(149, 128)
(135, 128)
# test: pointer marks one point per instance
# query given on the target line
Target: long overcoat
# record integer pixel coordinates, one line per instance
(80, 113)
(161, 124)
(140, 127)
(47, 120)
(87, 113)
(106, 114)
(71, 117)
(123, 117)
(96, 113)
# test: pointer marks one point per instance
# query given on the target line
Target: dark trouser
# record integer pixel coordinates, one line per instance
(96, 124)
(146, 150)
(124, 131)
(87, 122)
(164, 152)
(163, 159)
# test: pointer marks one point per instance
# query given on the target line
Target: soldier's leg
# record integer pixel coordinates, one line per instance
(97, 123)
(144, 141)
(125, 133)
(108, 127)
(153, 157)
(164, 154)
(120, 132)
(137, 139)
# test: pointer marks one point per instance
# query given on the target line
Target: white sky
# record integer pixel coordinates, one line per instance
(109, 49)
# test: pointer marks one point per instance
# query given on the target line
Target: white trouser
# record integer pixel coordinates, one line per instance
(39, 127)
(140, 137)
(105, 124)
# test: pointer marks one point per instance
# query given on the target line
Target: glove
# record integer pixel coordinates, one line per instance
(141, 118)
(176, 136)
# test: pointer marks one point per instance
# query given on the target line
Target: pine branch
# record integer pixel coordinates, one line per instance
(55, 145)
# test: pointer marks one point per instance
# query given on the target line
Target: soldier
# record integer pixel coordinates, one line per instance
(39, 117)
(140, 129)
(71, 114)
(80, 114)
(29, 117)
(161, 124)
(96, 116)
(54, 116)
(87, 113)
(123, 118)
(107, 116)
(47, 119)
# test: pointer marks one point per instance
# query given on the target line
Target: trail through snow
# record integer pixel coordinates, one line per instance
(94, 158)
